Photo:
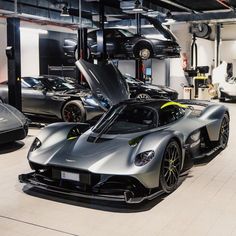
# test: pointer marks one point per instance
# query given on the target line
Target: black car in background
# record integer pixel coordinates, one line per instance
(53, 96)
(139, 89)
(121, 43)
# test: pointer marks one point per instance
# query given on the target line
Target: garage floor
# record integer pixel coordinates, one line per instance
(204, 204)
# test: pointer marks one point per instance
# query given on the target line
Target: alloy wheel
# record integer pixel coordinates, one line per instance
(144, 53)
(72, 113)
(171, 167)
(224, 132)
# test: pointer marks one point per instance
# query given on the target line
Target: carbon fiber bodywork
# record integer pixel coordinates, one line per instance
(105, 163)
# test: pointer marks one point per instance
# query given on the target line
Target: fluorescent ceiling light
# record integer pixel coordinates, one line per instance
(169, 22)
(36, 31)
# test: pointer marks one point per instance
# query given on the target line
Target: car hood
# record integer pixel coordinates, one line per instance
(10, 118)
(80, 154)
(105, 81)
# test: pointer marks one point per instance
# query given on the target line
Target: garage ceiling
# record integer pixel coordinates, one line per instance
(181, 10)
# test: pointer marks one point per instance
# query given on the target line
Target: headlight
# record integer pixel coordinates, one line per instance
(35, 145)
(195, 136)
(194, 139)
(144, 157)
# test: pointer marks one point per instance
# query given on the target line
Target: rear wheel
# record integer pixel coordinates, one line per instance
(73, 111)
(224, 132)
(170, 168)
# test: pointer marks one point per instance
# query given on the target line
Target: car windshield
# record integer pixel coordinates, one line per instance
(127, 119)
(30, 82)
(126, 33)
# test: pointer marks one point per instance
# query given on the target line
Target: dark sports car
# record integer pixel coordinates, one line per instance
(54, 96)
(135, 152)
(13, 124)
(138, 89)
(121, 43)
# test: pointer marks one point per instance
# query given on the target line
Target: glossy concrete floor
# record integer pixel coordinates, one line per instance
(204, 204)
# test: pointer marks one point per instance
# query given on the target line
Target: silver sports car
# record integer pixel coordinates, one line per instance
(135, 152)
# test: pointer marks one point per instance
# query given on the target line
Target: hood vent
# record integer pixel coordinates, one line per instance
(91, 139)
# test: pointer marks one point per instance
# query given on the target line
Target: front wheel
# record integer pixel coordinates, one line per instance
(170, 168)
(224, 132)
(73, 111)
(143, 52)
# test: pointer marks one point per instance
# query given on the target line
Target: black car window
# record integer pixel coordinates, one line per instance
(31, 82)
(109, 34)
(59, 84)
(126, 33)
(170, 114)
(92, 35)
(129, 119)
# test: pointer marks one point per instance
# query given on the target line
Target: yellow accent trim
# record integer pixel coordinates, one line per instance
(173, 104)
(72, 138)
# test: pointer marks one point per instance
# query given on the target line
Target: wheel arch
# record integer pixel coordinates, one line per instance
(143, 42)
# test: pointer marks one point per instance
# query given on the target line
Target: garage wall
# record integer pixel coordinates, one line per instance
(228, 32)
(158, 72)
(29, 53)
(206, 55)
(228, 50)
(127, 67)
(3, 57)
(177, 77)
(31, 60)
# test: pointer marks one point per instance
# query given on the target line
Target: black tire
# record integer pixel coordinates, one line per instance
(224, 132)
(143, 51)
(73, 111)
(170, 167)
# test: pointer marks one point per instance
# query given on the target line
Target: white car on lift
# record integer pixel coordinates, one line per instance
(226, 86)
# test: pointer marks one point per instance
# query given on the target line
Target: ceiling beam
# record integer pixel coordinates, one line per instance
(180, 6)
(207, 16)
(226, 5)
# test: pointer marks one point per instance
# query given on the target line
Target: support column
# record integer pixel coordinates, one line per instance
(82, 52)
(217, 44)
(138, 62)
(14, 62)
(167, 65)
(139, 69)
(194, 53)
(101, 40)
